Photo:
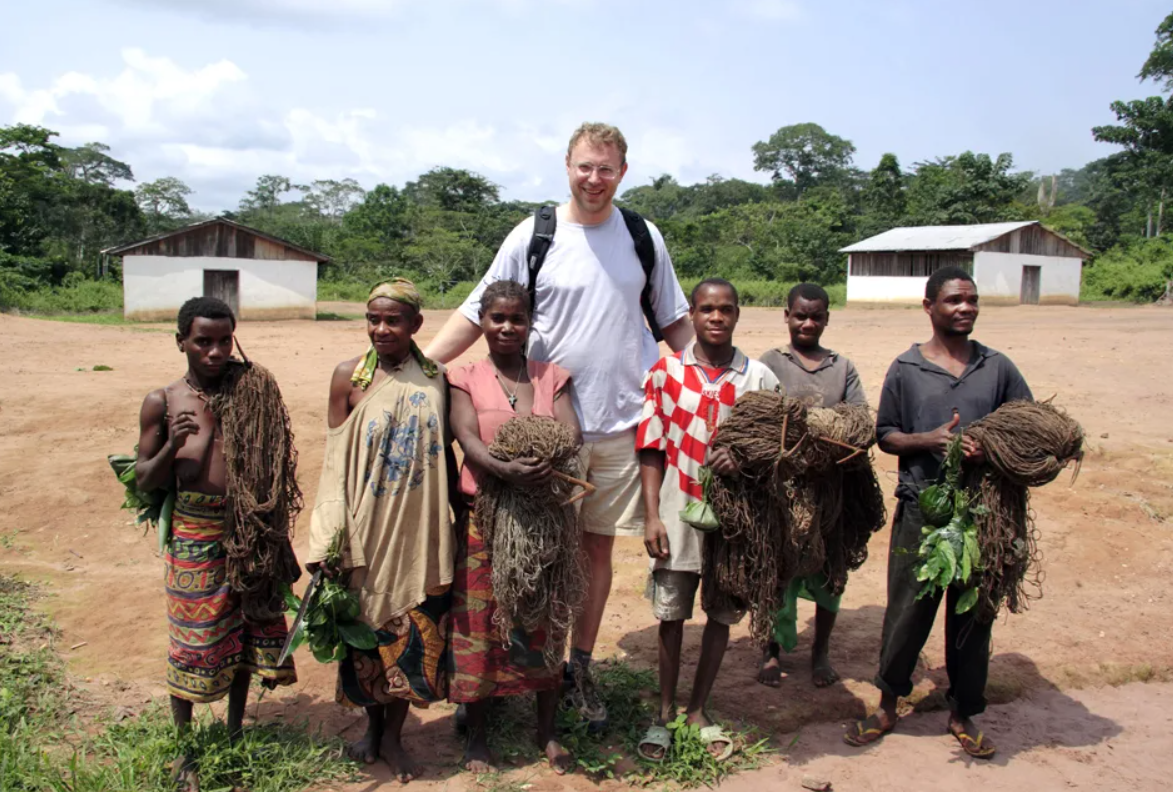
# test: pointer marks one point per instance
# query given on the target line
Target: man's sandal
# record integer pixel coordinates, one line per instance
(715, 734)
(864, 734)
(656, 737)
(974, 748)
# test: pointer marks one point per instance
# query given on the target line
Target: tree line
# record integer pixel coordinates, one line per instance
(60, 206)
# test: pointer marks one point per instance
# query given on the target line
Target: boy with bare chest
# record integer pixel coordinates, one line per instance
(214, 645)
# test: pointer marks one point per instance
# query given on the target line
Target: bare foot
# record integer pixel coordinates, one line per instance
(823, 673)
(770, 673)
(559, 758)
(184, 776)
(478, 758)
(402, 765)
(366, 749)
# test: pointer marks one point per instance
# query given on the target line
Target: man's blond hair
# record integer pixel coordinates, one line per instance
(602, 135)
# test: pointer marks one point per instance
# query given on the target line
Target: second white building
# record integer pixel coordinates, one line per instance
(1011, 263)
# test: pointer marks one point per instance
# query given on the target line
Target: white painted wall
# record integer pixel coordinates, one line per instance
(999, 277)
(885, 289)
(155, 286)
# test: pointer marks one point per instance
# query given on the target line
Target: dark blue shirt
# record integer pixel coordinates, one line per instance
(919, 396)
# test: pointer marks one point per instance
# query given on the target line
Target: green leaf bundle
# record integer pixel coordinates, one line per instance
(332, 619)
(949, 551)
(154, 507)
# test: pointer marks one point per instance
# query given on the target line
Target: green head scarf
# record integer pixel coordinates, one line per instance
(399, 290)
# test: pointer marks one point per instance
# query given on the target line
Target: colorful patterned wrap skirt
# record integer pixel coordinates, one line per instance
(210, 638)
(482, 665)
(409, 662)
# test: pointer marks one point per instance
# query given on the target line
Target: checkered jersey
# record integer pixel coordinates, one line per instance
(684, 403)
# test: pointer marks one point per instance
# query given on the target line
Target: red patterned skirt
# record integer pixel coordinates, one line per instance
(481, 664)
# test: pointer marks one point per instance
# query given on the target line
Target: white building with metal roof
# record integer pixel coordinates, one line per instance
(1011, 263)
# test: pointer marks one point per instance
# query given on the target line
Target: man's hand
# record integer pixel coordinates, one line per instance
(939, 439)
(183, 424)
(722, 463)
(972, 450)
(656, 538)
(314, 566)
(525, 472)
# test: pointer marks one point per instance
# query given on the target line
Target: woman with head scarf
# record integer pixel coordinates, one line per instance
(385, 483)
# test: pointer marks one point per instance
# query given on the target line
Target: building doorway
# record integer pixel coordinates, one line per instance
(225, 285)
(1030, 285)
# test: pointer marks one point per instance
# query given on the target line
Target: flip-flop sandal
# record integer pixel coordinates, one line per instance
(658, 737)
(862, 737)
(715, 734)
(974, 747)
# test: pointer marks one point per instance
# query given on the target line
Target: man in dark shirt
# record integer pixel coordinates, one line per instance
(930, 391)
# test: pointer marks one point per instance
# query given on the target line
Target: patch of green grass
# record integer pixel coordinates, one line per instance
(330, 316)
(80, 296)
(45, 748)
(627, 692)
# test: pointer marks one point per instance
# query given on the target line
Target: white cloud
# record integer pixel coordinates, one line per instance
(212, 127)
(147, 94)
(772, 10)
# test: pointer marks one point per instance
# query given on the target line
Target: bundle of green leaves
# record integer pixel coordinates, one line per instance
(332, 619)
(949, 552)
(153, 508)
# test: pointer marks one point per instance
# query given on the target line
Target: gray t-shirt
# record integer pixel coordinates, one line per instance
(919, 396)
(832, 382)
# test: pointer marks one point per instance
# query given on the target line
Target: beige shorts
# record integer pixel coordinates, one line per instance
(673, 594)
(616, 508)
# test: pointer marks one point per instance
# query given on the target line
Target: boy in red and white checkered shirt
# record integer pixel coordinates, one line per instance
(686, 396)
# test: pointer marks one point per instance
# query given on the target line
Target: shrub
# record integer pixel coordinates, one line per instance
(1136, 272)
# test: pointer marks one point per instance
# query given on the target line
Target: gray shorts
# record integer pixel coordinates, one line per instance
(673, 594)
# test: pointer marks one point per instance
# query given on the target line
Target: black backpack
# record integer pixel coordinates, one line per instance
(546, 222)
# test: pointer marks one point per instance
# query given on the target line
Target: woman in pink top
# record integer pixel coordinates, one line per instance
(484, 395)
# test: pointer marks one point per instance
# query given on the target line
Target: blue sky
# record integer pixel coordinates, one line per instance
(218, 92)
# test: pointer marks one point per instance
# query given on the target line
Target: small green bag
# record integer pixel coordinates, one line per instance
(700, 514)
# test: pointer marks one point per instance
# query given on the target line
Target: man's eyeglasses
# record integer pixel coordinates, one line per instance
(605, 172)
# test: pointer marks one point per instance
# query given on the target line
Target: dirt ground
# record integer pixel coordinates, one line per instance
(1107, 543)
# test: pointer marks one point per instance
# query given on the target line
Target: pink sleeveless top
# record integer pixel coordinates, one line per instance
(479, 381)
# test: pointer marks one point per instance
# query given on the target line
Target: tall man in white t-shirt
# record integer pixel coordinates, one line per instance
(588, 319)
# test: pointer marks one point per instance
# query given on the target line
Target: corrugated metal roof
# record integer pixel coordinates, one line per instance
(957, 237)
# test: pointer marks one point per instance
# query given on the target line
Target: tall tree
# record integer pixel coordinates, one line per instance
(267, 194)
(967, 188)
(1159, 66)
(884, 197)
(93, 164)
(30, 163)
(806, 153)
(453, 189)
(1146, 134)
(333, 198)
(163, 203)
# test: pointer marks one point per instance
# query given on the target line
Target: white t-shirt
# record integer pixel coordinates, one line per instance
(588, 318)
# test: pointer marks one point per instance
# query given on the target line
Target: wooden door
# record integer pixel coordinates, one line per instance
(1030, 285)
(225, 285)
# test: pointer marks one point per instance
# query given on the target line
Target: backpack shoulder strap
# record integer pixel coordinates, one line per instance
(545, 223)
(645, 249)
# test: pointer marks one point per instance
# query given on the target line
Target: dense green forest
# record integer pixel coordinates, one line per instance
(59, 207)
